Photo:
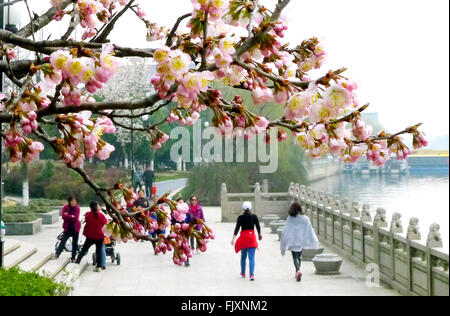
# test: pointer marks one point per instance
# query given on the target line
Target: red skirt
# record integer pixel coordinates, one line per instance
(246, 240)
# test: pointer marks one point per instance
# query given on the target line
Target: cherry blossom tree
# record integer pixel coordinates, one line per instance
(238, 43)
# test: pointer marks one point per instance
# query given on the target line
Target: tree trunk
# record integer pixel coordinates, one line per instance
(25, 186)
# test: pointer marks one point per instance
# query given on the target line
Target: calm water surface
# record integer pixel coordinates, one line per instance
(423, 194)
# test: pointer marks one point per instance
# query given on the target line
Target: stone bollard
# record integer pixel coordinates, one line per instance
(396, 224)
(434, 239)
(308, 254)
(414, 230)
(280, 231)
(267, 219)
(276, 224)
(380, 218)
(327, 264)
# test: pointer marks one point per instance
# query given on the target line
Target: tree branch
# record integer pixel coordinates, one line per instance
(42, 21)
(102, 38)
(169, 41)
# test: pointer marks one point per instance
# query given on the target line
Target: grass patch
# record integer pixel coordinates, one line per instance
(15, 282)
(172, 175)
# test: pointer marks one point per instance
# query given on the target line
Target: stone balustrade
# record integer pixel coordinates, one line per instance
(404, 262)
(263, 203)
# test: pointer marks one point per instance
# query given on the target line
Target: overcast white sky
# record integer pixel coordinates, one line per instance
(397, 50)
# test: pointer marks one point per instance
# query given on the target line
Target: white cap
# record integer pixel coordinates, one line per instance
(247, 206)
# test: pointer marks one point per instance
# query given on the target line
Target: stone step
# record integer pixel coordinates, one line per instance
(53, 267)
(36, 261)
(19, 255)
(10, 245)
(71, 273)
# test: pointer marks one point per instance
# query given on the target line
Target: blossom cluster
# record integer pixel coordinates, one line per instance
(75, 72)
(81, 138)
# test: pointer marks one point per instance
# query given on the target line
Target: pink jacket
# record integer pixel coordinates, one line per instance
(71, 215)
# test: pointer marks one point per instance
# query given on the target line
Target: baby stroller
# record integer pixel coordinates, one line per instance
(110, 252)
(68, 245)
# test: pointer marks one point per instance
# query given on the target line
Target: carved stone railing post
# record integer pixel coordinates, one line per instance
(365, 214)
(396, 224)
(380, 218)
(265, 186)
(258, 201)
(434, 239)
(396, 228)
(414, 230)
(378, 222)
(292, 191)
(224, 200)
(355, 210)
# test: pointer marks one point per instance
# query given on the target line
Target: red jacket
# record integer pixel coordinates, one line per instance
(94, 225)
(71, 215)
(246, 240)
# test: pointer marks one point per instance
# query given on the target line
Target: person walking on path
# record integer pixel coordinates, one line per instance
(95, 221)
(247, 243)
(71, 226)
(297, 235)
(149, 180)
(195, 212)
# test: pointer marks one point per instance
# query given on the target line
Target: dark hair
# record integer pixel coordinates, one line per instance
(71, 198)
(295, 209)
(94, 208)
(180, 199)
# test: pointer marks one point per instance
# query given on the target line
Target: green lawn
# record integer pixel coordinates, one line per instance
(171, 175)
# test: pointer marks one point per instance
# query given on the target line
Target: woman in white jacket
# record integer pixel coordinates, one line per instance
(297, 235)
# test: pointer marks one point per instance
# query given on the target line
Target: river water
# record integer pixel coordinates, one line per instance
(421, 194)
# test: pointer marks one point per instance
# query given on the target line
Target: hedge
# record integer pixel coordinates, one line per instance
(15, 282)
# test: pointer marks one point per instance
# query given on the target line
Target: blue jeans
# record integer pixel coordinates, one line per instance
(251, 256)
(103, 259)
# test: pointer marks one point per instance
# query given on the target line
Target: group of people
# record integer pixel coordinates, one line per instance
(298, 234)
(96, 219)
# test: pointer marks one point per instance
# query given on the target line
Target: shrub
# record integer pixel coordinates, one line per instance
(18, 214)
(19, 283)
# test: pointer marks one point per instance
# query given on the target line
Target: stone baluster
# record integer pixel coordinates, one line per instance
(380, 218)
(414, 230)
(434, 239)
(396, 224)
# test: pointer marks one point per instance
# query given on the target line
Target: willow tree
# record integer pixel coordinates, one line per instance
(238, 43)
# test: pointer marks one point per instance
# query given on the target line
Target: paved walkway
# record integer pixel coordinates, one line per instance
(217, 272)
